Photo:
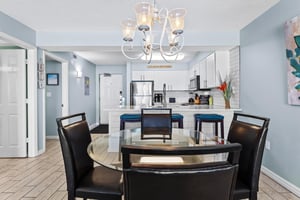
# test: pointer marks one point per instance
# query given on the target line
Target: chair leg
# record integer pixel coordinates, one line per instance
(216, 129)
(71, 196)
(180, 124)
(222, 129)
(200, 125)
(196, 125)
(122, 125)
(253, 196)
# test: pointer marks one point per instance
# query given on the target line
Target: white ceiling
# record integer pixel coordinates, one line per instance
(102, 15)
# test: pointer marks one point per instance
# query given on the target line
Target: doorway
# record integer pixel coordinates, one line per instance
(110, 87)
(56, 103)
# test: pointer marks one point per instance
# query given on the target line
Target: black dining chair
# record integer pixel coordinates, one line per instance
(209, 181)
(83, 179)
(156, 123)
(251, 132)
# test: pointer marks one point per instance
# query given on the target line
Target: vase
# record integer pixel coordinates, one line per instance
(227, 103)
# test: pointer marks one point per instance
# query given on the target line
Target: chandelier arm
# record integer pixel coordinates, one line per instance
(129, 57)
(164, 28)
(168, 61)
(150, 59)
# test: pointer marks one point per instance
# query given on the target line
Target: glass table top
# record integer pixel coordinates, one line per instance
(105, 148)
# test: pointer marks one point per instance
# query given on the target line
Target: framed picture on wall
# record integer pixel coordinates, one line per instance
(52, 79)
(292, 39)
(86, 86)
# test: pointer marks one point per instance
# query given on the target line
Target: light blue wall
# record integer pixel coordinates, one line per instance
(78, 101)
(53, 99)
(264, 87)
(16, 29)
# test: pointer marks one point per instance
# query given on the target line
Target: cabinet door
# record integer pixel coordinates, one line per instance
(203, 74)
(137, 75)
(178, 80)
(142, 75)
(211, 71)
(222, 66)
(159, 80)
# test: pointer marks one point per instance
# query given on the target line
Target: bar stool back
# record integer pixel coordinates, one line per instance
(210, 118)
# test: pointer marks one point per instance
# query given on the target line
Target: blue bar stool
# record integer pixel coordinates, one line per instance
(124, 118)
(178, 118)
(210, 118)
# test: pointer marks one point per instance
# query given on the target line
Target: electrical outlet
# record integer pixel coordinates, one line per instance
(268, 145)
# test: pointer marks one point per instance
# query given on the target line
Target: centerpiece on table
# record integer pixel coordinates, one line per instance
(226, 88)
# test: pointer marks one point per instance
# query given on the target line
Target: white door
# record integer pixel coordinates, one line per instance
(110, 87)
(12, 103)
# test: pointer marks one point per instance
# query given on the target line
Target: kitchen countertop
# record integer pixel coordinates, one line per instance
(176, 107)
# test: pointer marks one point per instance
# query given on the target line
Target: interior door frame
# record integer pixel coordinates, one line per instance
(32, 133)
(65, 90)
(98, 93)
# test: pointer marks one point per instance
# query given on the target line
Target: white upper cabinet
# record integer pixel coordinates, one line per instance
(212, 67)
(203, 73)
(210, 71)
(207, 72)
(222, 65)
(142, 75)
(174, 80)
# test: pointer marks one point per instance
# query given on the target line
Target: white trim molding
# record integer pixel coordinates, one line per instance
(291, 187)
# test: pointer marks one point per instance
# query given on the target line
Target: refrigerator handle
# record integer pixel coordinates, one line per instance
(131, 94)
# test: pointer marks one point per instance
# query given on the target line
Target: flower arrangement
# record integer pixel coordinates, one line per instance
(226, 88)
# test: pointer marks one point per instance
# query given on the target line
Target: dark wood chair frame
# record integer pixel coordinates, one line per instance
(251, 132)
(83, 179)
(169, 185)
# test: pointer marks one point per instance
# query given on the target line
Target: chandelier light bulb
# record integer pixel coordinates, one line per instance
(176, 20)
(128, 29)
(144, 13)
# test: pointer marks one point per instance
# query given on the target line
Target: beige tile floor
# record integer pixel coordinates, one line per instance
(43, 178)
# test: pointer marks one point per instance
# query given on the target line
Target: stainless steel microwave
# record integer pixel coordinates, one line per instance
(195, 83)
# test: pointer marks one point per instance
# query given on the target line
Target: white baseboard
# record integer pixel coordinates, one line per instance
(41, 151)
(291, 187)
(93, 126)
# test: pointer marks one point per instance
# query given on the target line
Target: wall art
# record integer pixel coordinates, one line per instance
(52, 79)
(292, 39)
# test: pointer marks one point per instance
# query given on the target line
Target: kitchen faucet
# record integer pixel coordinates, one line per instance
(164, 101)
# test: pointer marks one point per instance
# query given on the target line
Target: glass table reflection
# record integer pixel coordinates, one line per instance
(105, 148)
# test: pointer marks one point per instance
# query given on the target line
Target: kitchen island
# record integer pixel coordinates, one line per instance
(187, 111)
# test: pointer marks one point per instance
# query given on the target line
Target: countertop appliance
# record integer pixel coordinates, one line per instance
(204, 99)
(195, 83)
(158, 97)
(141, 93)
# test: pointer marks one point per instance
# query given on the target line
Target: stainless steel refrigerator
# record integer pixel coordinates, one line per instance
(141, 93)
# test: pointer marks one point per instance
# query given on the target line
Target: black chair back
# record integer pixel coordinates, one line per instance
(156, 121)
(180, 182)
(251, 132)
(83, 179)
(74, 139)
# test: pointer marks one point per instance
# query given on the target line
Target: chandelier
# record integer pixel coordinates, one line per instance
(148, 19)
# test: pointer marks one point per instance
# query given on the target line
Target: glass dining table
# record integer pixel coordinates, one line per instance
(105, 149)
